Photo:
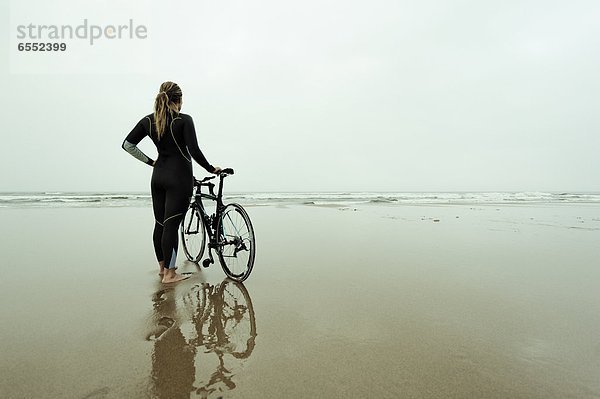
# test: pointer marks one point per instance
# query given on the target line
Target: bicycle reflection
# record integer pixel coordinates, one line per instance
(207, 322)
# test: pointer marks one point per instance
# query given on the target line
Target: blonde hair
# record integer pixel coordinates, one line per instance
(167, 103)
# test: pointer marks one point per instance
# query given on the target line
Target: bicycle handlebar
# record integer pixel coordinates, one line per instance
(205, 179)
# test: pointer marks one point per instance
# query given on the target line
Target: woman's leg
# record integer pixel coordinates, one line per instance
(176, 204)
(158, 206)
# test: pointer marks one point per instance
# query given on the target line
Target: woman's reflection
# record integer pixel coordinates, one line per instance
(209, 324)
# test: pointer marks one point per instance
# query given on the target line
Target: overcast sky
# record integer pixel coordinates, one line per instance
(321, 95)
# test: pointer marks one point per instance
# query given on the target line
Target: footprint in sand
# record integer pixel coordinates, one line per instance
(159, 295)
(162, 326)
(97, 394)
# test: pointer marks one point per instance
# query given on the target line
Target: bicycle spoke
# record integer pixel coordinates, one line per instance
(237, 247)
(192, 234)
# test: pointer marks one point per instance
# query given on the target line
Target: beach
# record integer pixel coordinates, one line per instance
(372, 299)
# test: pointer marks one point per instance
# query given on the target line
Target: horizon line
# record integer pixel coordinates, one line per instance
(315, 191)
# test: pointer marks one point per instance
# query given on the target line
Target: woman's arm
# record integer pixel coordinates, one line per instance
(191, 141)
(131, 141)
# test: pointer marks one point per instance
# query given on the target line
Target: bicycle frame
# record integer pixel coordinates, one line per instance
(210, 222)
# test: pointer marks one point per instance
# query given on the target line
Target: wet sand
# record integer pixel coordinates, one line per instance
(382, 301)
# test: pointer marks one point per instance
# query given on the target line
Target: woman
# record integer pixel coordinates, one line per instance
(172, 182)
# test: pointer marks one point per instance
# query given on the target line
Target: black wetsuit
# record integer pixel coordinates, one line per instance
(172, 179)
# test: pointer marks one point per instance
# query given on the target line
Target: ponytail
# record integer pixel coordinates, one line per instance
(167, 103)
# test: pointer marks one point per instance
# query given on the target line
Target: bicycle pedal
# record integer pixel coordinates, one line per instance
(206, 262)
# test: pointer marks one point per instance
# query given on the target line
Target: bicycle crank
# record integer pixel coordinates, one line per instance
(210, 260)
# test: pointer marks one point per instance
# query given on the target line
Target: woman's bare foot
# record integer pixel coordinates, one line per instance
(161, 266)
(171, 276)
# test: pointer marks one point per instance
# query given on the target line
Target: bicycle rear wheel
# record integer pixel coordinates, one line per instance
(193, 235)
(236, 244)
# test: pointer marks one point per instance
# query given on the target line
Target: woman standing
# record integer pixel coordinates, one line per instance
(172, 182)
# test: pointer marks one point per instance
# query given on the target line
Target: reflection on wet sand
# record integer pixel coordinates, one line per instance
(209, 329)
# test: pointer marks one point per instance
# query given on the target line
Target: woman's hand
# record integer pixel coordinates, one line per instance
(217, 170)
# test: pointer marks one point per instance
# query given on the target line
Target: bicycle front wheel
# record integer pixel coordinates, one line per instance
(193, 236)
(236, 243)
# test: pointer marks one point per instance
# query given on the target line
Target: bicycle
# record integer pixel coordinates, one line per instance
(229, 230)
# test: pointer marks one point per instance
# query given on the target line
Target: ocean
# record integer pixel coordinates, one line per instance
(121, 199)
